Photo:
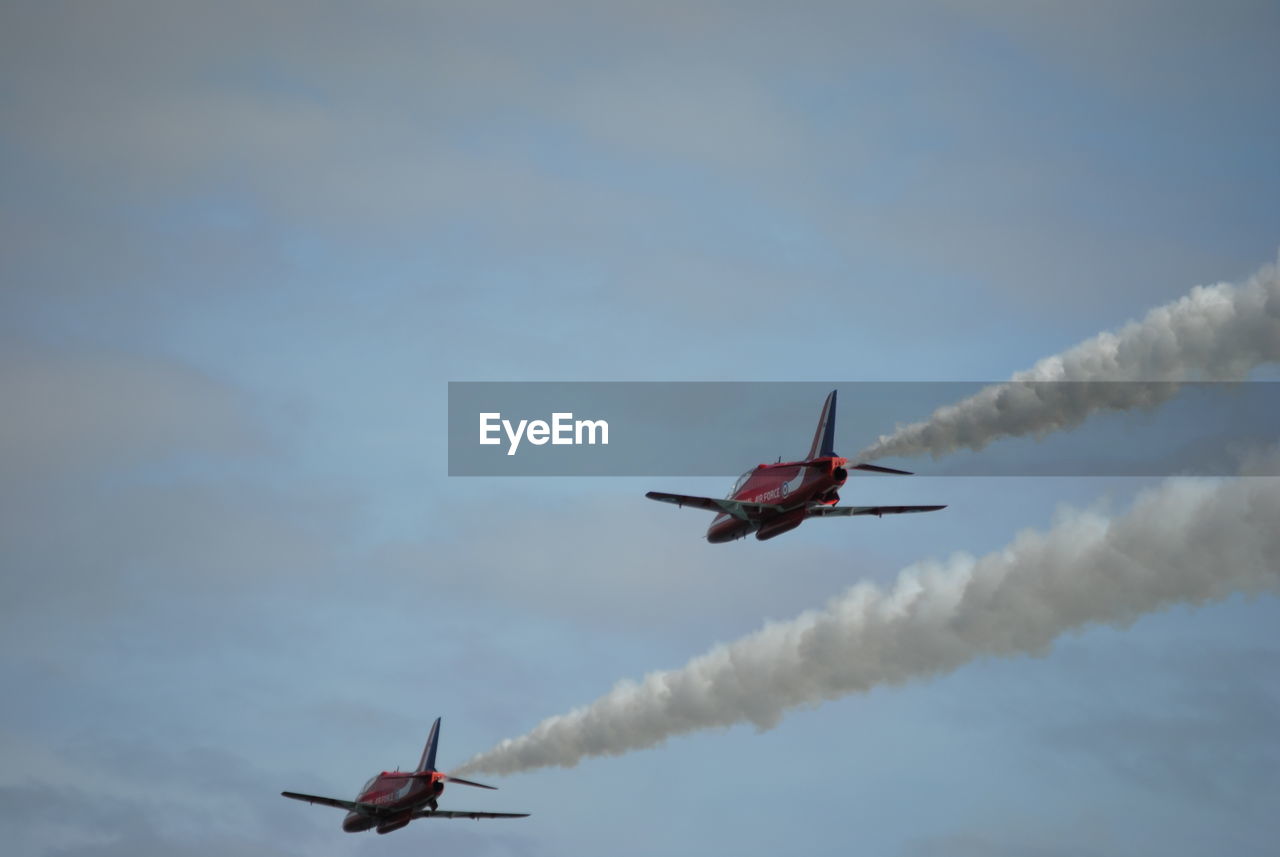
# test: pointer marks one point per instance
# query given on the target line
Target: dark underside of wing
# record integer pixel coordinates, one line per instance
(845, 511)
(377, 811)
(708, 503)
(337, 803)
(741, 509)
(457, 813)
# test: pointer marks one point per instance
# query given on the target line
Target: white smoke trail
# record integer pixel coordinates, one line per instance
(1216, 333)
(1186, 541)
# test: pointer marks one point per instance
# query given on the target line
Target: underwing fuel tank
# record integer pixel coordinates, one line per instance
(355, 822)
(394, 823)
(781, 524)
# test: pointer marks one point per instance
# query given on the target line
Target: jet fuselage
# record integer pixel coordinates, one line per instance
(400, 795)
(794, 486)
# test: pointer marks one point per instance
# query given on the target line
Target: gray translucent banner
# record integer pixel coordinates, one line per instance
(725, 428)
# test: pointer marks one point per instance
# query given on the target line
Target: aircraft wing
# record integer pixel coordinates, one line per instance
(455, 813)
(352, 805)
(844, 511)
(741, 509)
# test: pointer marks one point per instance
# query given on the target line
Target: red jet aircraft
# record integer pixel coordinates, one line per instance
(775, 498)
(392, 799)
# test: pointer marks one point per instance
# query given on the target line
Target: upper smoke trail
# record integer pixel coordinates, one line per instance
(1186, 541)
(1216, 333)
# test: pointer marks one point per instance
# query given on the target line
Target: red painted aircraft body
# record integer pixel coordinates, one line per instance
(775, 498)
(392, 799)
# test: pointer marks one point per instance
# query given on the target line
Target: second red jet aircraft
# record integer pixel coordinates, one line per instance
(774, 498)
(392, 799)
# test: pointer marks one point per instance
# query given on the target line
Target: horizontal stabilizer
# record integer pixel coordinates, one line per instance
(876, 468)
(463, 782)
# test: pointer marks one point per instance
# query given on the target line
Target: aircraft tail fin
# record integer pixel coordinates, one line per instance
(428, 762)
(824, 438)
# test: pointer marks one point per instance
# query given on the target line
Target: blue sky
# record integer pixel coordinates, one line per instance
(247, 247)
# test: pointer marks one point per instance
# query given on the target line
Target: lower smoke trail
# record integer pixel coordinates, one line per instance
(1187, 541)
(1216, 333)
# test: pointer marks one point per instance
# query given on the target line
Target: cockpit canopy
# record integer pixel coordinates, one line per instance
(742, 480)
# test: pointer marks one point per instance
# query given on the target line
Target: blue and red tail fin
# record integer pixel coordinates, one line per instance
(824, 439)
(428, 762)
